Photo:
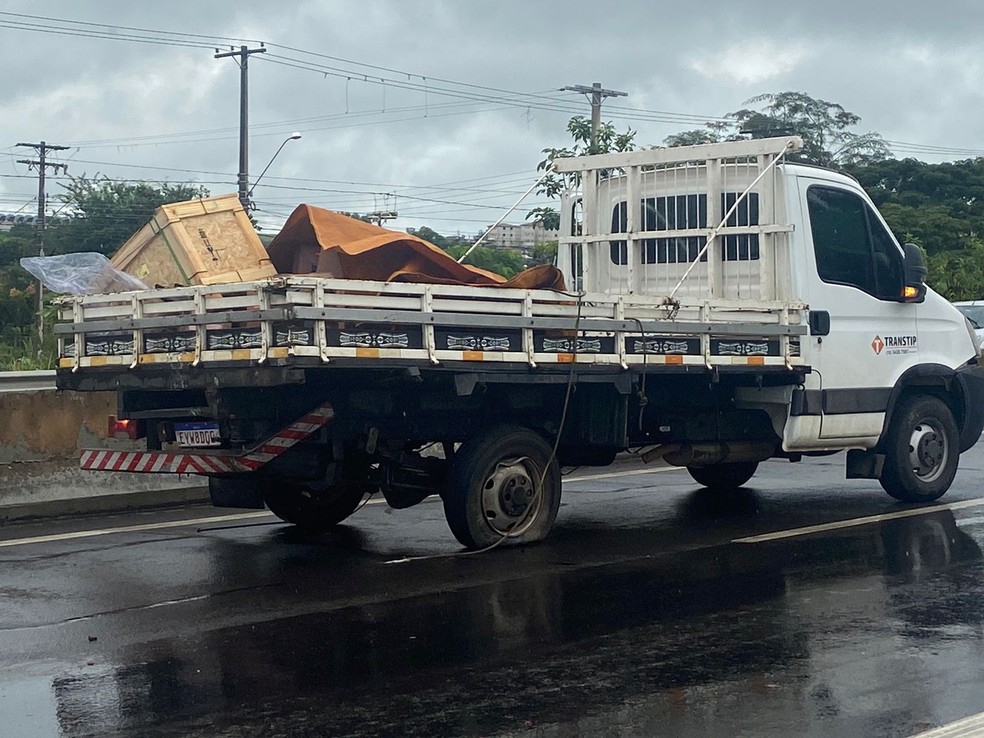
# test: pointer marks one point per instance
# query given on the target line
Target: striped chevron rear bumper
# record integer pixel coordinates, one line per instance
(208, 462)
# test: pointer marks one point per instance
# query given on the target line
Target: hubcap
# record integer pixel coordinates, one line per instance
(507, 495)
(927, 451)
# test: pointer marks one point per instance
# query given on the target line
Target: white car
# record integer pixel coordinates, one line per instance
(973, 310)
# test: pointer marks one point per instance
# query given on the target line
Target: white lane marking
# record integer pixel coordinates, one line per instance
(854, 522)
(75, 535)
(969, 727)
(145, 527)
(612, 475)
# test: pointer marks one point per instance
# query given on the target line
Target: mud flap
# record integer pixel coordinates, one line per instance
(864, 464)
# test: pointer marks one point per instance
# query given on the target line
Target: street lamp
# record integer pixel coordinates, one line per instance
(292, 137)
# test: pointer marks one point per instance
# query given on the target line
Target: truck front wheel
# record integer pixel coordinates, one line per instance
(921, 450)
(723, 476)
(504, 483)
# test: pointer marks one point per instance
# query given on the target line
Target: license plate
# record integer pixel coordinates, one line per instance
(197, 434)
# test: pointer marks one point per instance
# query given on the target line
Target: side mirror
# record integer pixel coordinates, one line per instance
(914, 289)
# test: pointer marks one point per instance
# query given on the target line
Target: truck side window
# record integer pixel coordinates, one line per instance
(851, 245)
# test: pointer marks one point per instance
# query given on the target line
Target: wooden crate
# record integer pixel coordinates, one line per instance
(206, 241)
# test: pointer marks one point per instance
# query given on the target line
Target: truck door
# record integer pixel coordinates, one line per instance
(853, 272)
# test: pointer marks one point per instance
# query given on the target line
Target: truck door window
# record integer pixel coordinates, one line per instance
(851, 245)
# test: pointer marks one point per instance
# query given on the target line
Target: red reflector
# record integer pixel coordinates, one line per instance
(124, 428)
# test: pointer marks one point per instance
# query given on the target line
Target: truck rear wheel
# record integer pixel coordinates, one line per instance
(309, 509)
(921, 450)
(723, 476)
(504, 483)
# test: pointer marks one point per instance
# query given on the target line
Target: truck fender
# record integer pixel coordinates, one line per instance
(962, 389)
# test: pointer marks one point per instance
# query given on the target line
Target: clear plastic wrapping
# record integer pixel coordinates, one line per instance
(86, 273)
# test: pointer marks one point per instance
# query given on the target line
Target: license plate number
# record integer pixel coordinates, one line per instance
(197, 434)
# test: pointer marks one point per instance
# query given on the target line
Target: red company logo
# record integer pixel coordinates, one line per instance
(877, 345)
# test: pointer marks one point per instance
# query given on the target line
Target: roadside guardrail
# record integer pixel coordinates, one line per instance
(27, 381)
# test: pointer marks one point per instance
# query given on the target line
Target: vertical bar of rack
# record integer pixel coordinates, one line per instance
(589, 230)
(767, 241)
(266, 325)
(714, 186)
(136, 310)
(633, 221)
(201, 329)
(430, 339)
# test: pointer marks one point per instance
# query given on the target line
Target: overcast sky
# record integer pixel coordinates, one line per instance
(439, 109)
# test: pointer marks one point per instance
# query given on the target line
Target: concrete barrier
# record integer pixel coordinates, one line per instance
(41, 434)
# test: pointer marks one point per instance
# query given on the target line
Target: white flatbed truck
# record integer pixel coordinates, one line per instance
(724, 307)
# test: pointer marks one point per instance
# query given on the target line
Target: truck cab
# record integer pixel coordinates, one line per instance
(736, 223)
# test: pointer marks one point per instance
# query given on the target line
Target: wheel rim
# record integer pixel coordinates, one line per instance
(508, 493)
(927, 450)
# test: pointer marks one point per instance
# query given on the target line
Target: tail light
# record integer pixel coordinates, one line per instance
(125, 428)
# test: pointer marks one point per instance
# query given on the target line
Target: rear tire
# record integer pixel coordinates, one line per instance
(311, 510)
(921, 450)
(723, 476)
(494, 490)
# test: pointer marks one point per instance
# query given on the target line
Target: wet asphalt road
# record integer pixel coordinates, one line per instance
(649, 611)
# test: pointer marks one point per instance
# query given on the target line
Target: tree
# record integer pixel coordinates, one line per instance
(823, 126)
(505, 262)
(544, 252)
(430, 235)
(104, 213)
(607, 140)
(545, 216)
(693, 137)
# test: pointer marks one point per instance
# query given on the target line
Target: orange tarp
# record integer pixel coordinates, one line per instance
(314, 240)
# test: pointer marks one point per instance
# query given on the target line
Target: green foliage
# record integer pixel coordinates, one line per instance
(432, 236)
(104, 213)
(543, 253)
(824, 127)
(505, 262)
(693, 137)
(19, 346)
(606, 141)
(958, 274)
(548, 217)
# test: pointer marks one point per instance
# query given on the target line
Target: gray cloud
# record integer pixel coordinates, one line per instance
(442, 152)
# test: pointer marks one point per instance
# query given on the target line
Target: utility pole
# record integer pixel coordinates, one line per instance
(41, 164)
(597, 95)
(378, 217)
(243, 53)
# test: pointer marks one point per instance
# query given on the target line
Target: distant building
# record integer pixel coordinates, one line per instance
(521, 237)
